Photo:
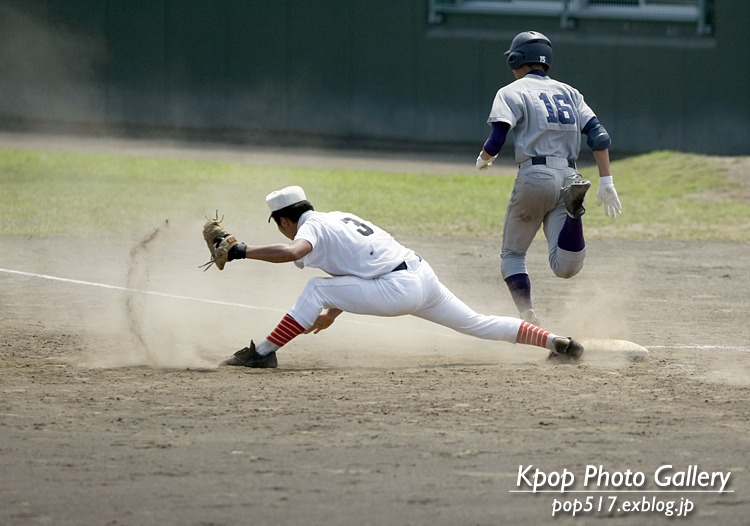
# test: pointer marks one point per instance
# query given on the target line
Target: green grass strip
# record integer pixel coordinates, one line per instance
(50, 193)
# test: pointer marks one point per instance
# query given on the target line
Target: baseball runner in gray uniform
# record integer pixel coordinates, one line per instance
(371, 273)
(547, 118)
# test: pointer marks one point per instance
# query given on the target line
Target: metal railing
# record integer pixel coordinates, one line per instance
(684, 11)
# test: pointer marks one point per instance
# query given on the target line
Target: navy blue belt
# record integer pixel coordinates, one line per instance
(543, 160)
(402, 266)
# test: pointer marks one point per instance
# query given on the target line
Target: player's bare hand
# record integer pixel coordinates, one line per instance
(607, 195)
(324, 320)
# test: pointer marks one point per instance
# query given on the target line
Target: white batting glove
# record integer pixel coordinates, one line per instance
(608, 195)
(482, 164)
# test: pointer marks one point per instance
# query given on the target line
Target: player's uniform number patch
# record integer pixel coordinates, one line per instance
(363, 228)
(555, 110)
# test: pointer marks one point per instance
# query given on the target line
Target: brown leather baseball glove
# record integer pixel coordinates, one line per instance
(219, 242)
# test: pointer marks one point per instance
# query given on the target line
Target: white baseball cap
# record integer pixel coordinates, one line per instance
(284, 197)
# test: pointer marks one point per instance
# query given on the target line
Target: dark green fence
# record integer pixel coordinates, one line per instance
(416, 72)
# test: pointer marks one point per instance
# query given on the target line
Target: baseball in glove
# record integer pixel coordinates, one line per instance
(220, 243)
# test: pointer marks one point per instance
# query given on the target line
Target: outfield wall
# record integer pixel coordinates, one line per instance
(352, 71)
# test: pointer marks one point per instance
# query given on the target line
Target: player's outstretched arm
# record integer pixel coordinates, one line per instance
(278, 253)
(607, 194)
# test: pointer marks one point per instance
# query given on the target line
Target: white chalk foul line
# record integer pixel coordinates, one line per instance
(139, 291)
(254, 307)
(188, 298)
(702, 347)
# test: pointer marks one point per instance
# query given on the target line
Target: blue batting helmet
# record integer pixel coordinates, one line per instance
(529, 47)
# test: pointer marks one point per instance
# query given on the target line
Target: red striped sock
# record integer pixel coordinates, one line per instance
(529, 334)
(285, 331)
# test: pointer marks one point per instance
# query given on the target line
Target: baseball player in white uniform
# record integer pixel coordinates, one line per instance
(547, 118)
(371, 273)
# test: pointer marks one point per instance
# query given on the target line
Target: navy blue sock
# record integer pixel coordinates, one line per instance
(571, 235)
(519, 286)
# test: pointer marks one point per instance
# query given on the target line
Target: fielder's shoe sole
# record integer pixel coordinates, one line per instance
(249, 357)
(573, 196)
(566, 350)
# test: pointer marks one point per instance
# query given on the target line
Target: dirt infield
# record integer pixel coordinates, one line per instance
(112, 409)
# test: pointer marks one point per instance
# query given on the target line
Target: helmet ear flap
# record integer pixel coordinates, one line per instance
(512, 60)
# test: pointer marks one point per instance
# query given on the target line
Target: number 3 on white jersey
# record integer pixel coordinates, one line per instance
(555, 110)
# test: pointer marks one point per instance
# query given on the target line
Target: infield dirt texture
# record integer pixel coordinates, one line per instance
(113, 412)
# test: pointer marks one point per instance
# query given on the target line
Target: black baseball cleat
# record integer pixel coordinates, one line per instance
(573, 196)
(566, 350)
(249, 357)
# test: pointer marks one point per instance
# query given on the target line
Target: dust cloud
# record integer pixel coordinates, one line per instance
(154, 322)
(597, 313)
(174, 315)
(171, 314)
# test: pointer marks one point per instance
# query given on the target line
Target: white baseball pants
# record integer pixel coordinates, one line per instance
(416, 291)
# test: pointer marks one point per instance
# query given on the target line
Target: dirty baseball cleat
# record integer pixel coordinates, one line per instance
(249, 357)
(573, 196)
(566, 350)
(529, 316)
